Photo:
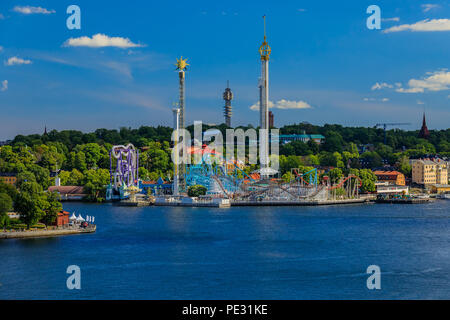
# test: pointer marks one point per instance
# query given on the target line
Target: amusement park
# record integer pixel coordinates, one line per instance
(225, 181)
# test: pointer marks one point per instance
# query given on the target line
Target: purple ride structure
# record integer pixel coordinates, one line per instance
(124, 177)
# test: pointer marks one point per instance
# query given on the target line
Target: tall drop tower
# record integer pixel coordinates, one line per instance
(181, 67)
(228, 96)
(264, 51)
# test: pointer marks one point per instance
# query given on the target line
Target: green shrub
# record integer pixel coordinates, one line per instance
(196, 190)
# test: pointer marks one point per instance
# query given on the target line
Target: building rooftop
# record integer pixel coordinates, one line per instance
(7, 174)
(441, 185)
(72, 190)
(387, 173)
(312, 136)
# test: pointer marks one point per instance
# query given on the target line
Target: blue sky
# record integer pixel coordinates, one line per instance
(326, 65)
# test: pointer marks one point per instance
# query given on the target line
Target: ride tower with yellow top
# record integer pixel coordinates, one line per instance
(264, 51)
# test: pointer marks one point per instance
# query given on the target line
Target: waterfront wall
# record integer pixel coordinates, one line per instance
(45, 233)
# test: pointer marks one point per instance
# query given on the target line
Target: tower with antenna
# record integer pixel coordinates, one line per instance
(264, 52)
(228, 96)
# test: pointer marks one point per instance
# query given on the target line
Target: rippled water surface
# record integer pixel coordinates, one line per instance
(239, 253)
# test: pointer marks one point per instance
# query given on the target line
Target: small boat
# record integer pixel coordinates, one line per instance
(443, 196)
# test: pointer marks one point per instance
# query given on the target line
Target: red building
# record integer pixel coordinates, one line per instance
(270, 119)
(62, 218)
(391, 177)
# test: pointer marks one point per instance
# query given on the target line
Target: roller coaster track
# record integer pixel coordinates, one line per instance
(221, 186)
(313, 194)
(300, 176)
(343, 181)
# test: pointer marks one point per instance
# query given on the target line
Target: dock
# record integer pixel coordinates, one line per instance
(192, 202)
(129, 203)
(46, 233)
(283, 203)
(405, 201)
(226, 203)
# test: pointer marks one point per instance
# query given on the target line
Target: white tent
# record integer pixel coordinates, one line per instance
(80, 218)
(73, 216)
(267, 171)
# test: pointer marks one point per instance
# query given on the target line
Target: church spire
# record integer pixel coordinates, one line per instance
(424, 133)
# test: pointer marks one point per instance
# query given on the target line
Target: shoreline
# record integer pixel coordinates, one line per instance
(45, 233)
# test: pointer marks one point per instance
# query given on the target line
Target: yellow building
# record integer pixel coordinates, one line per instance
(440, 188)
(427, 172)
(8, 178)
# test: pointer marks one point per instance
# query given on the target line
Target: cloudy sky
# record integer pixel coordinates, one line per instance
(118, 69)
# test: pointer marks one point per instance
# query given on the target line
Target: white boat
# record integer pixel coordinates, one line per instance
(444, 196)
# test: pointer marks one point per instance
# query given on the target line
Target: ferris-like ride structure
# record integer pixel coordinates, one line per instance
(124, 175)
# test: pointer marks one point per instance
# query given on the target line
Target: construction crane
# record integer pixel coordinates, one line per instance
(384, 125)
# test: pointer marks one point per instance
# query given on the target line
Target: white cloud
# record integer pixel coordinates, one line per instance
(396, 19)
(1, 48)
(426, 25)
(373, 99)
(427, 7)
(101, 40)
(379, 86)
(16, 61)
(32, 10)
(301, 10)
(434, 81)
(283, 104)
(4, 85)
(2, 16)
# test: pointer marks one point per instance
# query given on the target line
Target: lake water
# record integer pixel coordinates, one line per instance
(239, 253)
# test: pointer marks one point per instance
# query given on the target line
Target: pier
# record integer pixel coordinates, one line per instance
(193, 202)
(227, 203)
(280, 203)
(46, 233)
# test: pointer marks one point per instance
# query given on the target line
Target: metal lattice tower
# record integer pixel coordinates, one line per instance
(228, 96)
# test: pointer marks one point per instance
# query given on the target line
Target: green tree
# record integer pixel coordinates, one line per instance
(289, 162)
(333, 142)
(373, 159)
(287, 177)
(23, 177)
(52, 207)
(92, 152)
(95, 182)
(404, 166)
(9, 189)
(196, 190)
(77, 160)
(143, 173)
(41, 174)
(335, 175)
(75, 178)
(5, 206)
(368, 180)
(30, 203)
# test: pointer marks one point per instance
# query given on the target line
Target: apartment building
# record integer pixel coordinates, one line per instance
(427, 172)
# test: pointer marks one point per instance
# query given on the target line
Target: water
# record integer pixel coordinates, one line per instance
(239, 253)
